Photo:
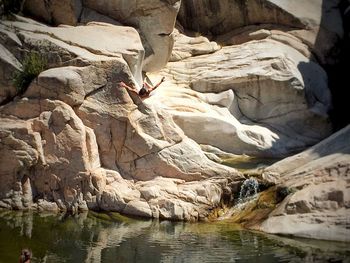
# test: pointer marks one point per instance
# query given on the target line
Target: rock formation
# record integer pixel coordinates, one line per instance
(273, 100)
(317, 23)
(319, 207)
(77, 141)
(253, 85)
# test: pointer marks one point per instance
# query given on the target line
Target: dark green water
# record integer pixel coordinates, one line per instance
(102, 238)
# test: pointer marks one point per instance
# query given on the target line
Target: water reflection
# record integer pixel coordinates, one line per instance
(92, 237)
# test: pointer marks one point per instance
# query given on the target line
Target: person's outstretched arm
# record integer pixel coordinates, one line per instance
(150, 88)
(123, 85)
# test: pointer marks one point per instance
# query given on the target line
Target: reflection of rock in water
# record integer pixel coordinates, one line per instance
(22, 220)
(112, 236)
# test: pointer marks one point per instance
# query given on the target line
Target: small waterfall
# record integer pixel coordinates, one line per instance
(247, 194)
(248, 188)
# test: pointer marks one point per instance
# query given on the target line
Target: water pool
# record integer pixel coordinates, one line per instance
(94, 237)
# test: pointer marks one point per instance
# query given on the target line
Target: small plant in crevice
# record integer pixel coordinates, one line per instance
(32, 65)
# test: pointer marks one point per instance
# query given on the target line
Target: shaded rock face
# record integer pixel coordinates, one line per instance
(55, 12)
(338, 73)
(214, 17)
(321, 18)
(9, 66)
(76, 141)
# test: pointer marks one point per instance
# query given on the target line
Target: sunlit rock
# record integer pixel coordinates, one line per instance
(75, 140)
(260, 98)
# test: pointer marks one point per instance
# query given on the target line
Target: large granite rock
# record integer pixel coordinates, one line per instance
(98, 42)
(317, 23)
(154, 19)
(261, 98)
(55, 137)
(319, 201)
(77, 141)
(53, 163)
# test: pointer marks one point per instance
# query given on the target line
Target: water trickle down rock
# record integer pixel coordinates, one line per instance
(249, 188)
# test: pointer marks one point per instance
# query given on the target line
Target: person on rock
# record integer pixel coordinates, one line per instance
(146, 89)
(26, 256)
